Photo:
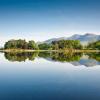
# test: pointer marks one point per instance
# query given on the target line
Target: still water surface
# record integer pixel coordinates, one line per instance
(49, 76)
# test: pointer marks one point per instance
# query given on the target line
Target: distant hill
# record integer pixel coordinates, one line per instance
(84, 39)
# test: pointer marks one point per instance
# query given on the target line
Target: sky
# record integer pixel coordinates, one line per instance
(40, 20)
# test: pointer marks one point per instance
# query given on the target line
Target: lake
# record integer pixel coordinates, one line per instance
(49, 76)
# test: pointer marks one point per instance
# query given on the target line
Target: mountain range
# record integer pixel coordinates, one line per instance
(84, 39)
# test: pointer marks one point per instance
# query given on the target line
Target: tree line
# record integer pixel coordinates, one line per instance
(20, 44)
(55, 45)
(66, 44)
(94, 45)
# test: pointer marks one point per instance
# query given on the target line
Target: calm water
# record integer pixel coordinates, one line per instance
(49, 76)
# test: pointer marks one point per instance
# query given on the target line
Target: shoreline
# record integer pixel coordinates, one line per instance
(27, 50)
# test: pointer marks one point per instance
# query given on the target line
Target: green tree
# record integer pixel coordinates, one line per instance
(44, 46)
(94, 45)
(66, 44)
(20, 44)
(32, 45)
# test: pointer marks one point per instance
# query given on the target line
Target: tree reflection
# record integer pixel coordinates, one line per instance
(56, 56)
(66, 57)
(95, 56)
(20, 56)
(53, 56)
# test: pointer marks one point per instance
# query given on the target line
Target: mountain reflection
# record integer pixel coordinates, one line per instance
(87, 59)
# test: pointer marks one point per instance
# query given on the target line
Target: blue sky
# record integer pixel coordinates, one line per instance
(44, 19)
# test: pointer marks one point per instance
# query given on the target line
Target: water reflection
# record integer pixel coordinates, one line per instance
(87, 59)
(95, 56)
(21, 56)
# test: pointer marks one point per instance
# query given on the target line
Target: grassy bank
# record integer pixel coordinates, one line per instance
(28, 50)
(23, 50)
